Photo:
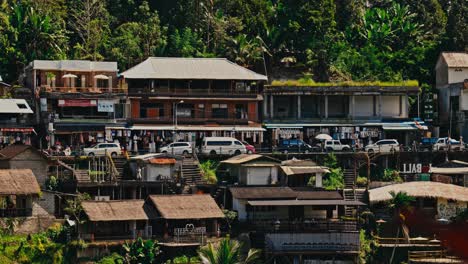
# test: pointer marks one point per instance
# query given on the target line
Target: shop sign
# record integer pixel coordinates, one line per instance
(76, 103)
(17, 129)
(44, 104)
(415, 168)
(106, 106)
(184, 112)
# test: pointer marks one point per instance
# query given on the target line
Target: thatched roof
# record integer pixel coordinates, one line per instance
(18, 182)
(244, 158)
(121, 210)
(196, 206)
(421, 189)
(294, 170)
(13, 151)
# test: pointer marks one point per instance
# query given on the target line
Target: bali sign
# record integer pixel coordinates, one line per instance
(415, 168)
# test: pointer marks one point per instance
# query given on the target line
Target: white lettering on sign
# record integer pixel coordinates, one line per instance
(415, 168)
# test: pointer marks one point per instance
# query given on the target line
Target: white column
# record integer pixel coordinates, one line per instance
(299, 114)
(326, 106)
(265, 106)
(271, 107)
(110, 83)
(351, 106)
(379, 106)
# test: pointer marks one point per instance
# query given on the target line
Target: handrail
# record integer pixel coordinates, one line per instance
(114, 170)
(75, 89)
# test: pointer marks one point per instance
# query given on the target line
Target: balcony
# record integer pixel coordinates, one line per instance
(78, 90)
(185, 92)
(16, 212)
(318, 242)
(305, 226)
(191, 120)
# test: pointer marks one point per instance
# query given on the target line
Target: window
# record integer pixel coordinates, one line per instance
(329, 142)
(336, 142)
(238, 143)
(179, 145)
(219, 111)
(219, 143)
(22, 106)
(148, 110)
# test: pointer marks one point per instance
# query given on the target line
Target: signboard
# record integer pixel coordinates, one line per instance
(106, 106)
(415, 168)
(76, 103)
(184, 112)
(44, 104)
(428, 107)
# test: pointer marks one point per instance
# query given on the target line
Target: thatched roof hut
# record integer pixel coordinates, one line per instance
(196, 206)
(18, 182)
(421, 189)
(119, 210)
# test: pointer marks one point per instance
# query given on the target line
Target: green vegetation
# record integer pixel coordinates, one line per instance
(391, 175)
(366, 249)
(328, 40)
(335, 179)
(310, 83)
(140, 251)
(184, 260)
(227, 251)
(208, 170)
(399, 203)
(361, 181)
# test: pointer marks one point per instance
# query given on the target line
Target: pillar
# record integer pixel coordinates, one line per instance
(265, 106)
(299, 114)
(351, 106)
(271, 107)
(326, 106)
(379, 106)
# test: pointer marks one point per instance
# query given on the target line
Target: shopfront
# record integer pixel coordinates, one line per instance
(16, 135)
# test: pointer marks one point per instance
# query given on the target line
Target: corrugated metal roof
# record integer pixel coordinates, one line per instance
(449, 171)
(243, 158)
(14, 106)
(191, 68)
(292, 170)
(264, 193)
(304, 202)
(74, 65)
(455, 59)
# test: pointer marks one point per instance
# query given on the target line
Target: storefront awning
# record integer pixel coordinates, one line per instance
(399, 127)
(304, 202)
(18, 129)
(191, 128)
(79, 127)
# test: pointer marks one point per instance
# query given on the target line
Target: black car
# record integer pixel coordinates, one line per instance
(296, 146)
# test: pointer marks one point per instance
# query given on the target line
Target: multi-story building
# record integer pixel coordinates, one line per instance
(76, 99)
(188, 98)
(451, 82)
(349, 113)
(16, 122)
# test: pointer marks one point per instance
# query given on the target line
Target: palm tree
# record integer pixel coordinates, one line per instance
(227, 252)
(400, 202)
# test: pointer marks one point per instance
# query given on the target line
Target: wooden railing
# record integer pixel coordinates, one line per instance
(186, 91)
(304, 226)
(98, 90)
(16, 212)
(427, 254)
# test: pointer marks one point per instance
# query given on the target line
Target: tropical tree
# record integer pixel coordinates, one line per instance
(74, 207)
(399, 203)
(140, 251)
(227, 252)
(208, 170)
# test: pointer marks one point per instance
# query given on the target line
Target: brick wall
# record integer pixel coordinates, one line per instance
(30, 159)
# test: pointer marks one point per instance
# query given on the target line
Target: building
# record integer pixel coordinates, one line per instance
(18, 190)
(297, 173)
(299, 224)
(16, 122)
(193, 97)
(250, 169)
(25, 156)
(4, 88)
(453, 171)
(76, 99)
(349, 113)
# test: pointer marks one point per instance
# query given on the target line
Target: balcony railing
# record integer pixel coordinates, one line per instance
(329, 242)
(305, 226)
(92, 90)
(16, 212)
(193, 92)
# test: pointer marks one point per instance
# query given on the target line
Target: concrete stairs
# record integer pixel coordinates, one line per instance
(82, 176)
(349, 178)
(191, 172)
(119, 164)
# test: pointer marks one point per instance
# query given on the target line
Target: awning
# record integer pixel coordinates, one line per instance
(191, 128)
(77, 102)
(460, 170)
(399, 127)
(303, 202)
(18, 129)
(78, 128)
(293, 170)
(14, 106)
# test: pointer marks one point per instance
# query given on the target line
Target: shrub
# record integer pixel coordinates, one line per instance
(391, 175)
(361, 181)
(208, 170)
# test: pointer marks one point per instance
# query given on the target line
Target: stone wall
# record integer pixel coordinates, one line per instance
(30, 159)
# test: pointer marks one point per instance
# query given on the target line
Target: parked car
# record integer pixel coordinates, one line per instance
(222, 145)
(446, 143)
(102, 148)
(384, 145)
(177, 148)
(427, 144)
(335, 145)
(296, 146)
(250, 148)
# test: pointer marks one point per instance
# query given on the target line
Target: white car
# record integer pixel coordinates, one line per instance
(102, 148)
(335, 145)
(222, 145)
(384, 145)
(446, 143)
(177, 148)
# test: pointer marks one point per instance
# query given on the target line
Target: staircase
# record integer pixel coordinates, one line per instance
(82, 176)
(119, 164)
(349, 178)
(191, 173)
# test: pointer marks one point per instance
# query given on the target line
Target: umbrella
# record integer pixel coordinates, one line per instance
(323, 137)
(419, 239)
(443, 221)
(381, 221)
(101, 77)
(69, 75)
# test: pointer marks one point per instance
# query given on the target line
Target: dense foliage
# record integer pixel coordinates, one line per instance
(327, 39)
(335, 179)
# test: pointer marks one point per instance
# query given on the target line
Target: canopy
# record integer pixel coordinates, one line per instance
(323, 137)
(101, 77)
(69, 75)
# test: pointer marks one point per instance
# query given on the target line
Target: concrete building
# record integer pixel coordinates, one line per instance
(349, 113)
(451, 82)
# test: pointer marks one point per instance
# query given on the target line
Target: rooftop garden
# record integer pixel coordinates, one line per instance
(311, 83)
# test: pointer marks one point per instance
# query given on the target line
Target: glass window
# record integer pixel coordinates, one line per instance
(238, 143)
(329, 142)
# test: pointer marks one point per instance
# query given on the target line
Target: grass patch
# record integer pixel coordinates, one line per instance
(309, 82)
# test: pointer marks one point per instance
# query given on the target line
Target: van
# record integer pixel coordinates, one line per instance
(222, 145)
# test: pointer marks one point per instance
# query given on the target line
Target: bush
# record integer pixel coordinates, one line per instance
(391, 175)
(208, 170)
(361, 181)
(112, 259)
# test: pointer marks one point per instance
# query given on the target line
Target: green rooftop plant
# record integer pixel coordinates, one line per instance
(309, 82)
